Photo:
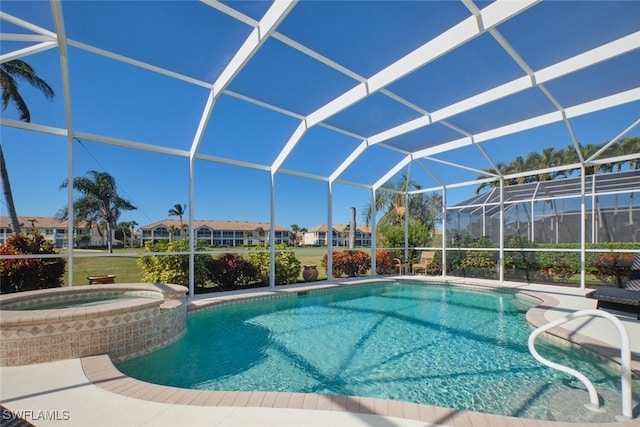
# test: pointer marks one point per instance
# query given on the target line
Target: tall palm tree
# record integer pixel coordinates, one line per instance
(518, 165)
(133, 225)
(629, 146)
(178, 210)
(501, 168)
(100, 200)
(9, 71)
(390, 197)
(293, 235)
(8, 195)
(261, 233)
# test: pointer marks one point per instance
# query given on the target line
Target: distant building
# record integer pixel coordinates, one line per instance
(317, 236)
(215, 232)
(54, 230)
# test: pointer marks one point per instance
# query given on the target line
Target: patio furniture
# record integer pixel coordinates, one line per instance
(426, 258)
(627, 299)
(403, 266)
(102, 279)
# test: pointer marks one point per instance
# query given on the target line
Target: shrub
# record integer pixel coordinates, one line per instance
(480, 263)
(384, 262)
(231, 269)
(558, 265)
(473, 262)
(288, 267)
(392, 236)
(18, 275)
(349, 263)
(613, 268)
(172, 268)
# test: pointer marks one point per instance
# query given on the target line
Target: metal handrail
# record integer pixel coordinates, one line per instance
(625, 359)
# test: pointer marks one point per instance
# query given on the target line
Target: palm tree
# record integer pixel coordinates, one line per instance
(173, 230)
(628, 146)
(391, 198)
(293, 236)
(10, 93)
(518, 165)
(501, 168)
(260, 232)
(345, 235)
(126, 228)
(8, 195)
(133, 225)
(302, 231)
(100, 200)
(178, 210)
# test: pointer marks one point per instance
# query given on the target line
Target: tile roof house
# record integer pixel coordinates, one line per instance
(215, 232)
(317, 236)
(54, 230)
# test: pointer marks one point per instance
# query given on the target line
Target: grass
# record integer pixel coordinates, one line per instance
(127, 270)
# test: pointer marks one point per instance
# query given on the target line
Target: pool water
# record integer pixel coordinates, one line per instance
(432, 344)
(72, 302)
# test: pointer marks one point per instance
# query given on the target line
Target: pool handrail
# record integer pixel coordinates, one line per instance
(625, 360)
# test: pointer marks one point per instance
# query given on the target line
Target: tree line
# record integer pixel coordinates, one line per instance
(551, 157)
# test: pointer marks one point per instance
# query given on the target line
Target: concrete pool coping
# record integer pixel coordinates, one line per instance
(94, 392)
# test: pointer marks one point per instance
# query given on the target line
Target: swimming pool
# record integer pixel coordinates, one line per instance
(432, 344)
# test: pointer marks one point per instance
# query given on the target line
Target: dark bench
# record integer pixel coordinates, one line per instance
(617, 299)
(627, 299)
(101, 280)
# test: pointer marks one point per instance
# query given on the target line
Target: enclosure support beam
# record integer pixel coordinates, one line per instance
(444, 231)
(272, 233)
(406, 226)
(56, 9)
(594, 230)
(192, 237)
(330, 231)
(583, 228)
(373, 231)
(501, 252)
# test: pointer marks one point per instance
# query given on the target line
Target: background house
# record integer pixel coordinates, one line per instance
(55, 230)
(317, 236)
(215, 232)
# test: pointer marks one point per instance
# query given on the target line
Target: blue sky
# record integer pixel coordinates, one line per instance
(118, 100)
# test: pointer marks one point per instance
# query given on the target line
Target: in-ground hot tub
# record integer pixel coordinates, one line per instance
(123, 320)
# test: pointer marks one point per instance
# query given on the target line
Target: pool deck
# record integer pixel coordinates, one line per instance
(91, 392)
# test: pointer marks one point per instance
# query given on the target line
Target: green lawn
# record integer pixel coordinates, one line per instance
(127, 270)
(124, 267)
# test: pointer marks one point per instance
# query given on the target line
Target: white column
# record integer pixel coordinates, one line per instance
(444, 231)
(329, 231)
(583, 226)
(501, 253)
(406, 226)
(373, 231)
(272, 247)
(192, 240)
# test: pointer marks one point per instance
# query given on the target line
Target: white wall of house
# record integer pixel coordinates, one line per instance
(58, 236)
(319, 238)
(216, 238)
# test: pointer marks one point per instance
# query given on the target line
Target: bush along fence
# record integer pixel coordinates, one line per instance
(523, 261)
(355, 263)
(214, 273)
(27, 274)
(474, 258)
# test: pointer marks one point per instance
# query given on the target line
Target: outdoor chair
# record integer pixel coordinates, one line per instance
(402, 265)
(627, 299)
(426, 258)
